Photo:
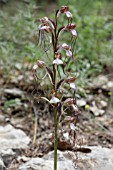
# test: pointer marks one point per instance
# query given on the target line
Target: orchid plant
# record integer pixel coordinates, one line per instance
(62, 54)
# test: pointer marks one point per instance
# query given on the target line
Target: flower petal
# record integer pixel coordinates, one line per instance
(72, 85)
(57, 61)
(54, 100)
(70, 26)
(66, 135)
(68, 53)
(72, 126)
(46, 28)
(68, 14)
(65, 46)
(74, 33)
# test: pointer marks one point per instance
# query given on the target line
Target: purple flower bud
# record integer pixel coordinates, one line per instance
(40, 63)
(70, 26)
(70, 79)
(66, 46)
(44, 20)
(64, 9)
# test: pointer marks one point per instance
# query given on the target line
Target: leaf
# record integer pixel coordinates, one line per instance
(52, 23)
(45, 99)
(59, 84)
(57, 13)
(61, 29)
(53, 40)
(50, 73)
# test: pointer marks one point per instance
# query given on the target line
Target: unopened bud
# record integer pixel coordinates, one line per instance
(40, 63)
(64, 9)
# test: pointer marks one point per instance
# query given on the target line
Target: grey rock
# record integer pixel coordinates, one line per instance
(95, 110)
(2, 118)
(14, 92)
(2, 166)
(81, 102)
(7, 156)
(99, 159)
(12, 138)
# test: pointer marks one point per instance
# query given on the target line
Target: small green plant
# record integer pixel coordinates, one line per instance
(56, 69)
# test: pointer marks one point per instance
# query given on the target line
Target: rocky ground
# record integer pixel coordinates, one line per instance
(20, 110)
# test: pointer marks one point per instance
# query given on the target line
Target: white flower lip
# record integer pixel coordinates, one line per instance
(72, 85)
(54, 100)
(68, 53)
(68, 14)
(72, 126)
(74, 33)
(66, 135)
(57, 61)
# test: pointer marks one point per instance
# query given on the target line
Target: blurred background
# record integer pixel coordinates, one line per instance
(94, 20)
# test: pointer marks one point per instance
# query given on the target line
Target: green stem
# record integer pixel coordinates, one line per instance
(55, 139)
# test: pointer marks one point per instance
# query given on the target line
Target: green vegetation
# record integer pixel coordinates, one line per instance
(94, 26)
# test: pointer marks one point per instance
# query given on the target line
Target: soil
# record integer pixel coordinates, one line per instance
(91, 130)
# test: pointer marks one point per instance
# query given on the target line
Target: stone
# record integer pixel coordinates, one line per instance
(100, 81)
(95, 110)
(7, 156)
(2, 166)
(14, 92)
(81, 102)
(11, 137)
(99, 159)
(47, 163)
(2, 118)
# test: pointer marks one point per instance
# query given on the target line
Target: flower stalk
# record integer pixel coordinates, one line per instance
(51, 28)
(55, 138)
